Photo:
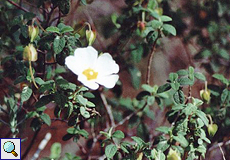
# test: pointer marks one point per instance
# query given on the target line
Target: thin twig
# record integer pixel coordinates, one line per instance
(18, 6)
(221, 144)
(108, 109)
(82, 148)
(150, 60)
(31, 144)
(221, 151)
(4, 122)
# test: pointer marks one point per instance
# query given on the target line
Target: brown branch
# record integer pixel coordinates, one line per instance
(18, 6)
(31, 144)
(108, 109)
(151, 59)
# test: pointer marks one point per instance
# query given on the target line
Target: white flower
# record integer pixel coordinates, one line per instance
(92, 69)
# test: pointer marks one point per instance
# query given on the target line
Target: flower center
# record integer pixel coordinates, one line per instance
(90, 74)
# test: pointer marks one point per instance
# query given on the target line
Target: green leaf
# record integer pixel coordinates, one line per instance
(139, 141)
(142, 94)
(89, 95)
(84, 2)
(202, 116)
(64, 28)
(224, 54)
(136, 77)
(197, 102)
(55, 150)
(179, 97)
(147, 87)
(72, 130)
(65, 85)
(118, 134)
(46, 118)
(163, 129)
(59, 44)
(185, 81)
(191, 73)
(124, 147)
(39, 81)
(110, 151)
(83, 101)
(182, 140)
(165, 18)
(221, 78)
(182, 72)
(44, 100)
(200, 76)
(69, 110)
(83, 133)
(150, 100)
(173, 77)
(46, 86)
(19, 80)
(175, 85)
(224, 95)
(90, 104)
(137, 53)
(53, 29)
(189, 109)
(156, 24)
(26, 94)
(169, 28)
(164, 88)
(84, 113)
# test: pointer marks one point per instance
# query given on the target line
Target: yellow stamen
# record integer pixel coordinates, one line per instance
(90, 74)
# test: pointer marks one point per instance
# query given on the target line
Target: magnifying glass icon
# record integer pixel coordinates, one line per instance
(9, 147)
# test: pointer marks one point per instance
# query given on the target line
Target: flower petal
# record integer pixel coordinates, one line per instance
(105, 65)
(71, 63)
(86, 57)
(88, 83)
(108, 81)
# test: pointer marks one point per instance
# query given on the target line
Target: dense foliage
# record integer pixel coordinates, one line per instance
(35, 41)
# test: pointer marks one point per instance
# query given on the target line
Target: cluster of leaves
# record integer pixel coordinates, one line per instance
(55, 153)
(142, 21)
(141, 25)
(211, 28)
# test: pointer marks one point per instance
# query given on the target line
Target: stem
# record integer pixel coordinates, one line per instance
(221, 151)
(210, 118)
(150, 60)
(18, 6)
(31, 144)
(32, 75)
(206, 86)
(108, 109)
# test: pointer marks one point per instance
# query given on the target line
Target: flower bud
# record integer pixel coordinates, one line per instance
(173, 155)
(212, 129)
(141, 25)
(30, 53)
(33, 32)
(205, 95)
(90, 36)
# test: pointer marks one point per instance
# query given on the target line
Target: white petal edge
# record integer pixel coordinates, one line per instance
(87, 57)
(108, 81)
(90, 84)
(105, 65)
(71, 63)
